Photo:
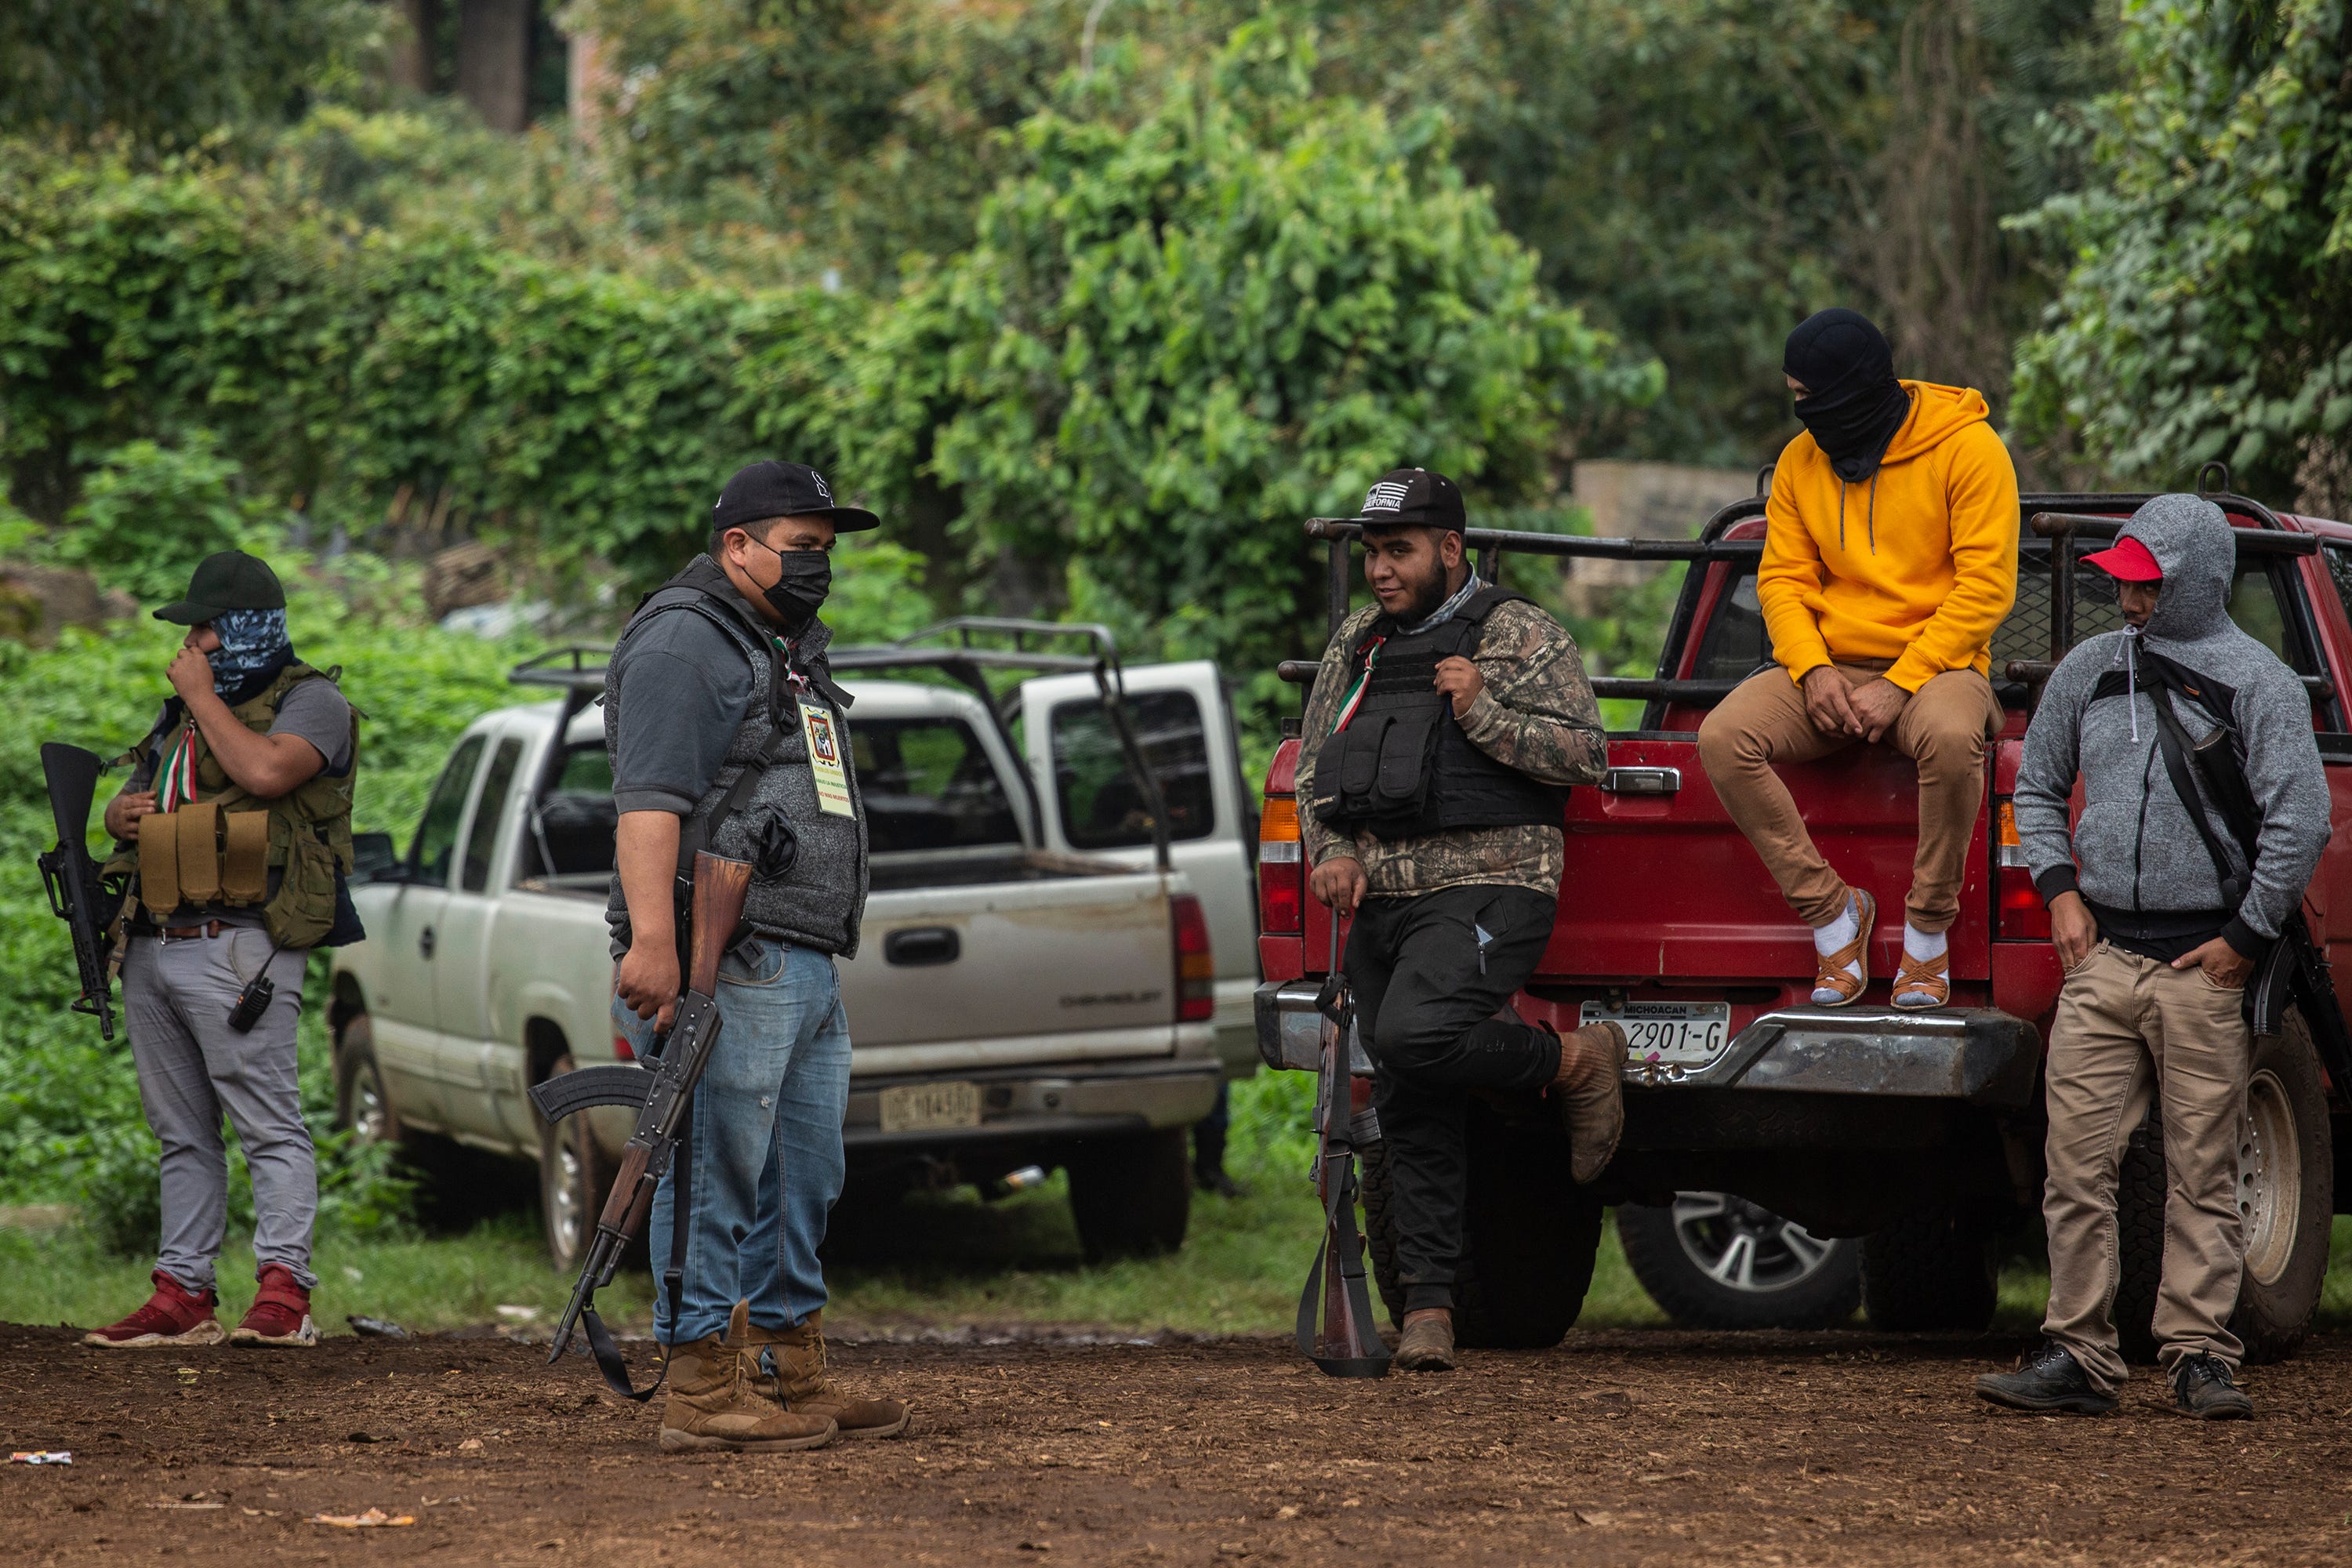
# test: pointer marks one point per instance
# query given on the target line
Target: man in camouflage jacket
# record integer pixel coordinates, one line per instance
(1445, 724)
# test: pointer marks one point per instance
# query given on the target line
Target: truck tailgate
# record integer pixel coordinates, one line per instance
(1068, 964)
(1664, 885)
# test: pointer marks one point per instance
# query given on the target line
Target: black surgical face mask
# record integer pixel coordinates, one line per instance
(799, 593)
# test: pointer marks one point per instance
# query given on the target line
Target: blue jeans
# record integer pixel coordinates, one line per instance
(765, 1147)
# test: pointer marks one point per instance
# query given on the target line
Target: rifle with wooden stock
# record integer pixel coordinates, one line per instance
(662, 1089)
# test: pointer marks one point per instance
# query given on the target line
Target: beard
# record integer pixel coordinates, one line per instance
(1427, 595)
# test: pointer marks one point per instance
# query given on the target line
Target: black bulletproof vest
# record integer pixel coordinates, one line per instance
(1402, 768)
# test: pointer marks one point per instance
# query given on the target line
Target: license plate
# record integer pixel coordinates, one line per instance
(1671, 1034)
(927, 1107)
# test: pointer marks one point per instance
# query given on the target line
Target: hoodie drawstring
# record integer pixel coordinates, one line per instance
(1870, 521)
(2131, 678)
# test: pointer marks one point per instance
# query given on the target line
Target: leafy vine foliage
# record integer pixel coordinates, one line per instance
(2208, 311)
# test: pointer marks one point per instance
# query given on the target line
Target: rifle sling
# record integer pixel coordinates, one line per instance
(2172, 741)
(601, 1346)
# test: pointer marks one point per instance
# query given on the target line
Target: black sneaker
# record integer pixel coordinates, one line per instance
(2201, 1390)
(2050, 1378)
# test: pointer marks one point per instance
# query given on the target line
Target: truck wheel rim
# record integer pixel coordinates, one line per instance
(1745, 1247)
(563, 1198)
(371, 1124)
(2270, 1178)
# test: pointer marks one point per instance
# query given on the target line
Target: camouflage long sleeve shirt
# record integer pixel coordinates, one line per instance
(1536, 714)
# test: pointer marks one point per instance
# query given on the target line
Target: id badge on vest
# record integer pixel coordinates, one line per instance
(823, 733)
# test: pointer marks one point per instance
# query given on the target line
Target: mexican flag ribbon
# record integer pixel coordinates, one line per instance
(177, 787)
(1355, 698)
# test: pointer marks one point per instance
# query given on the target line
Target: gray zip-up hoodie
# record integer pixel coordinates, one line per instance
(2137, 848)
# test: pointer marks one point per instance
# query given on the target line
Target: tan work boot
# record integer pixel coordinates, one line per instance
(1426, 1344)
(712, 1404)
(793, 1373)
(1590, 1088)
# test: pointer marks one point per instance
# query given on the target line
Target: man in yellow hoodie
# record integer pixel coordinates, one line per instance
(1890, 556)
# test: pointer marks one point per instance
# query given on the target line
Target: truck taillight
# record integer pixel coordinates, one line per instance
(621, 1050)
(1281, 869)
(2017, 912)
(1196, 968)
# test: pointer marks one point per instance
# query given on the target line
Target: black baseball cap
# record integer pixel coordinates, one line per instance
(783, 490)
(1413, 498)
(226, 580)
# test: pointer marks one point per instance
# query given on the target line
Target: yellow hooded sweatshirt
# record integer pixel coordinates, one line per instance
(1916, 564)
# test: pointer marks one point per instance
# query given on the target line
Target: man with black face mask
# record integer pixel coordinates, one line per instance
(1446, 723)
(1890, 556)
(727, 733)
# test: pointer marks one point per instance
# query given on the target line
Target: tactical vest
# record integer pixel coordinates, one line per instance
(1399, 766)
(229, 847)
(809, 873)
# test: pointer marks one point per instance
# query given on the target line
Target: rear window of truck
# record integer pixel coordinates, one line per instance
(1101, 808)
(927, 784)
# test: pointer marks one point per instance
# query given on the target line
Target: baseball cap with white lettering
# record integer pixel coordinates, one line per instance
(1413, 498)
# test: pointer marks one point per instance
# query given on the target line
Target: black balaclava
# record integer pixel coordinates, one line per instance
(1852, 404)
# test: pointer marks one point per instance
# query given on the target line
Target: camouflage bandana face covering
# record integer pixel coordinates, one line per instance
(251, 640)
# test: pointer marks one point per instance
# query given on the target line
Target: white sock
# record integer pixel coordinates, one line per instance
(1841, 930)
(1838, 933)
(1919, 946)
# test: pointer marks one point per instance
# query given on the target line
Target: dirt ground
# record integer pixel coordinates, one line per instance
(1622, 1447)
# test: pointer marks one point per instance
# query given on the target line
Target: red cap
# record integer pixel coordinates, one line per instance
(2127, 560)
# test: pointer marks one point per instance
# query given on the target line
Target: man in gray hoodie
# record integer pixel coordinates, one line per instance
(2157, 946)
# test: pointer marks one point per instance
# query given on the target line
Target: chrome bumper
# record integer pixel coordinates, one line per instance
(1083, 1099)
(1979, 1055)
(1290, 1031)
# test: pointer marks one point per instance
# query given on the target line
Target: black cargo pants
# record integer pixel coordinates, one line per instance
(1429, 973)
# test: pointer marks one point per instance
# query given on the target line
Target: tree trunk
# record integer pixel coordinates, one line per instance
(494, 61)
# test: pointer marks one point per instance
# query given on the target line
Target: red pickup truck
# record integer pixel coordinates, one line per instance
(1794, 1153)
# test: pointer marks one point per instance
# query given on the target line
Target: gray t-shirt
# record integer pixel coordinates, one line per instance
(682, 688)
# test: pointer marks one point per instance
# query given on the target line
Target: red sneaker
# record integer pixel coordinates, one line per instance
(281, 1315)
(174, 1315)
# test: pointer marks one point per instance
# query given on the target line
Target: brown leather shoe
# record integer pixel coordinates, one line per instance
(712, 1404)
(1590, 1087)
(1426, 1344)
(787, 1365)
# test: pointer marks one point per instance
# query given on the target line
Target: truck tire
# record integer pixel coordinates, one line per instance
(361, 1107)
(2286, 1195)
(1929, 1271)
(454, 1184)
(1713, 1260)
(1531, 1238)
(575, 1178)
(1131, 1197)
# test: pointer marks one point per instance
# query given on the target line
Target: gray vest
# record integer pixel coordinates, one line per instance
(819, 899)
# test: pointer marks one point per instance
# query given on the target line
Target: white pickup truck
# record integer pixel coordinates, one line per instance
(1040, 981)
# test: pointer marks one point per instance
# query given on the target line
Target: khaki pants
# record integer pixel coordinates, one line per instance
(1943, 730)
(2129, 1028)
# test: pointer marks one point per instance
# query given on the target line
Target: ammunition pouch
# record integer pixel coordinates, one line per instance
(200, 854)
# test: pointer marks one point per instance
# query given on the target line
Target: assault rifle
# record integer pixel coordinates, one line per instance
(1348, 1345)
(71, 879)
(2295, 969)
(662, 1089)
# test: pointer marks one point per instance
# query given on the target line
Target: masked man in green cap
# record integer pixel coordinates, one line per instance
(236, 830)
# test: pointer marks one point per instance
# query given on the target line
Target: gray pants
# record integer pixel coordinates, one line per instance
(176, 997)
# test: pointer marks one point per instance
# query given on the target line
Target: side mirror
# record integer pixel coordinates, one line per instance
(373, 859)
